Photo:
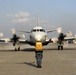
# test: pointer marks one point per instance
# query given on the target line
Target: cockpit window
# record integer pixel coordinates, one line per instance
(42, 30)
(34, 30)
(38, 30)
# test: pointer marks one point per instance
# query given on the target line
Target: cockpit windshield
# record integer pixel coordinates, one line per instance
(42, 30)
(34, 30)
(38, 30)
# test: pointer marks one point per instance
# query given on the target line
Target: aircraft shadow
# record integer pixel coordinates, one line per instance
(33, 49)
(29, 49)
(30, 64)
(7, 51)
(26, 50)
(57, 49)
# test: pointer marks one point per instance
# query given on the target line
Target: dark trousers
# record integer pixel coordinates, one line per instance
(39, 56)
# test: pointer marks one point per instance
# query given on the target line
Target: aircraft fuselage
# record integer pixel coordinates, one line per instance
(38, 34)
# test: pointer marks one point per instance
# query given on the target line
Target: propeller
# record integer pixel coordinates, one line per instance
(1, 34)
(7, 40)
(68, 34)
(13, 31)
(54, 39)
(75, 37)
(22, 36)
(59, 30)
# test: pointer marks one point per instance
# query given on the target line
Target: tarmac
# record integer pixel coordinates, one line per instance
(55, 62)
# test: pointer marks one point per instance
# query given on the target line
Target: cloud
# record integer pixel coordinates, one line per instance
(19, 17)
(22, 14)
(20, 20)
(19, 14)
(24, 17)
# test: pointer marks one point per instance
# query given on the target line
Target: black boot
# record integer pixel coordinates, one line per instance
(39, 66)
(58, 47)
(61, 47)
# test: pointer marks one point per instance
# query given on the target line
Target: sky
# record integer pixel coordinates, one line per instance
(22, 15)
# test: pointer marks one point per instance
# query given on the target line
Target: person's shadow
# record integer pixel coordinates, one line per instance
(30, 64)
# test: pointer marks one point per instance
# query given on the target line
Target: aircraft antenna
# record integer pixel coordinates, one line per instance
(37, 21)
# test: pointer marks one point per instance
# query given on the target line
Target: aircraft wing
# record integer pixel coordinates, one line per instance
(7, 40)
(59, 30)
(50, 31)
(55, 40)
(23, 31)
(69, 38)
(20, 38)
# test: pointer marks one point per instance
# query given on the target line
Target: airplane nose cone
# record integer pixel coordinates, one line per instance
(38, 38)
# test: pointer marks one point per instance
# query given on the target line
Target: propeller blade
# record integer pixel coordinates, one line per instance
(22, 36)
(59, 30)
(54, 39)
(13, 31)
(68, 34)
(1, 34)
(75, 37)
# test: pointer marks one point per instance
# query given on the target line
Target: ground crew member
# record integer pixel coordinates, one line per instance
(60, 41)
(15, 40)
(39, 54)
